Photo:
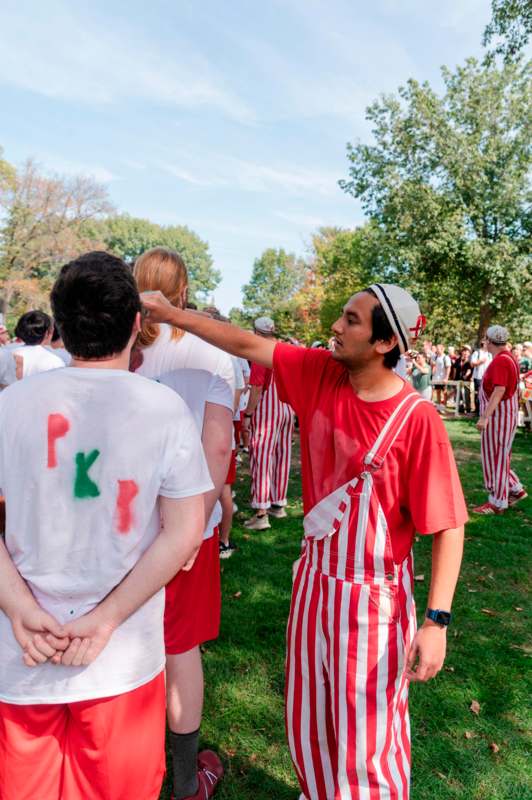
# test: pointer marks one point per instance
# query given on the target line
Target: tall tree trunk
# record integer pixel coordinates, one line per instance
(485, 315)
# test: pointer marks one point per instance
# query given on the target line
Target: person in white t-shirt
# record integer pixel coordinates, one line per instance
(35, 330)
(441, 369)
(480, 361)
(193, 601)
(8, 365)
(104, 454)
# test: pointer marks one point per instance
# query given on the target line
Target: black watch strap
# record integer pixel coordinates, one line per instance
(438, 616)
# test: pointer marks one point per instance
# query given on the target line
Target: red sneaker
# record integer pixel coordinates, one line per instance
(209, 775)
(488, 508)
(515, 498)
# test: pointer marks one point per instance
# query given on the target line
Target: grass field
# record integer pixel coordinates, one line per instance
(456, 753)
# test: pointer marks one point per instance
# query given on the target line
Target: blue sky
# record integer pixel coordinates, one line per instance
(231, 118)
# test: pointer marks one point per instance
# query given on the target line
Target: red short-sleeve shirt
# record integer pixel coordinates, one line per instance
(260, 376)
(503, 371)
(418, 485)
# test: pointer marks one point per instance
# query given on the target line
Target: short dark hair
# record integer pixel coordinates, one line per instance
(33, 326)
(95, 300)
(381, 330)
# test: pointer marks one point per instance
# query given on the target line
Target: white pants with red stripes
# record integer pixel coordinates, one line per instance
(270, 451)
(496, 451)
(346, 695)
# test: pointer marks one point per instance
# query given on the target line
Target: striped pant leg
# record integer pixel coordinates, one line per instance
(309, 723)
(496, 454)
(263, 436)
(370, 696)
(282, 456)
(514, 484)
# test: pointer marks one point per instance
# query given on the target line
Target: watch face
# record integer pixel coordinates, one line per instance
(444, 618)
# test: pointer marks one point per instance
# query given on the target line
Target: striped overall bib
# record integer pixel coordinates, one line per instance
(352, 619)
(496, 445)
(270, 449)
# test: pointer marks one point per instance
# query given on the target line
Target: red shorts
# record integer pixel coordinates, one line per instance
(108, 749)
(193, 602)
(231, 475)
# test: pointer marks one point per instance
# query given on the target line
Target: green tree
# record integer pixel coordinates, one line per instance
(129, 237)
(511, 22)
(447, 183)
(276, 278)
(347, 261)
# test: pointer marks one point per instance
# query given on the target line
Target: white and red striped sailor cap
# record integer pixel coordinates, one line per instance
(402, 311)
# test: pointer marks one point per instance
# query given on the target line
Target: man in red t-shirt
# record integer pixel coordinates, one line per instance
(499, 407)
(377, 466)
(271, 424)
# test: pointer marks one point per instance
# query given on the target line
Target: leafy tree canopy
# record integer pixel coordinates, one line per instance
(446, 181)
(129, 237)
(42, 225)
(511, 23)
(276, 279)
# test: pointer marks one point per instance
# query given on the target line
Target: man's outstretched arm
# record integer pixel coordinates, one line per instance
(227, 337)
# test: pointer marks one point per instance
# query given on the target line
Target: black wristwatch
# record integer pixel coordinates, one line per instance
(438, 616)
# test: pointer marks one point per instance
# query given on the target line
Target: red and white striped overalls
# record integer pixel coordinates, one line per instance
(352, 619)
(496, 445)
(270, 449)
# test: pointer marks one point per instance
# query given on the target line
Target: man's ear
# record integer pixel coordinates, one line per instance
(137, 324)
(384, 346)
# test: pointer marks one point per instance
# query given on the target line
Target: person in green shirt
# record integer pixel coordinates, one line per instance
(420, 375)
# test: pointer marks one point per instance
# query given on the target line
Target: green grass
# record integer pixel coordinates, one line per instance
(488, 655)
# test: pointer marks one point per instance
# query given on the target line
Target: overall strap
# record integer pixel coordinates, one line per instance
(391, 430)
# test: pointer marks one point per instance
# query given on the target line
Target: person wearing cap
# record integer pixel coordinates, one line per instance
(271, 424)
(499, 406)
(377, 467)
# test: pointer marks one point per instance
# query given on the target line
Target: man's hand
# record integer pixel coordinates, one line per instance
(87, 636)
(428, 650)
(156, 307)
(31, 627)
(482, 423)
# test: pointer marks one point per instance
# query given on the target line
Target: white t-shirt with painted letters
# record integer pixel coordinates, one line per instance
(84, 455)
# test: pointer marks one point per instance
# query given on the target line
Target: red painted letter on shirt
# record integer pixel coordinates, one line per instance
(127, 491)
(58, 426)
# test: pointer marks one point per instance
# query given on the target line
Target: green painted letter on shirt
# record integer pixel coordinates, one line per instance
(83, 485)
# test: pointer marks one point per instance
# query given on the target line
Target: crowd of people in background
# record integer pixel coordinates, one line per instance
(451, 377)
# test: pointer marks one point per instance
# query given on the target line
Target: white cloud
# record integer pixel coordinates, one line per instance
(54, 51)
(249, 176)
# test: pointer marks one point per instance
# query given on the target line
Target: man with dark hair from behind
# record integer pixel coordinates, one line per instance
(35, 329)
(84, 564)
(377, 466)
